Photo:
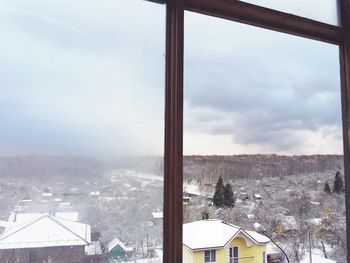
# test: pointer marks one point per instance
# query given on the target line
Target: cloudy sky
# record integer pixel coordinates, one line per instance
(250, 90)
(321, 10)
(89, 80)
(81, 79)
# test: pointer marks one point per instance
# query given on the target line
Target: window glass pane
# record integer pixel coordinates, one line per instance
(262, 140)
(207, 256)
(235, 251)
(81, 138)
(326, 11)
(213, 255)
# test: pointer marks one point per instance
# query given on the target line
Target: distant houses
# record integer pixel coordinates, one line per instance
(157, 218)
(95, 193)
(257, 197)
(288, 224)
(117, 250)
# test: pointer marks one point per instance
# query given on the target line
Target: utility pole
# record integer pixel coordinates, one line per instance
(310, 250)
(147, 245)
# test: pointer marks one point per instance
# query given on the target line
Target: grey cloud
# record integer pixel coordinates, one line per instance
(85, 80)
(268, 85)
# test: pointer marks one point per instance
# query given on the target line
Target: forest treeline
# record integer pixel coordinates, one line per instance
(207, 169)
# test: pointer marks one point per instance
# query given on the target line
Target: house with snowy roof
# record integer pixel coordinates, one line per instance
(207, 241)
(117, 250)
(157, 218)
(44, 238)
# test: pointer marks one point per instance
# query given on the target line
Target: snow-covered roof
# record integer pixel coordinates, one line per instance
(316, 258)
(95, 193)
(315, 203)
(205, 234)
(250, 216)
(45, 231)
(25, 217)
(315, 221)
(257, 196)
(258, 237)
(157, 215)
(191, 189)
(257, 226)
(112, 244)
(26, 201)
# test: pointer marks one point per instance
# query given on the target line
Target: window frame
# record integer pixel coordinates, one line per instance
(233, 258)
(264, 255)
(33, 256)
(212, 254)
(248, 14)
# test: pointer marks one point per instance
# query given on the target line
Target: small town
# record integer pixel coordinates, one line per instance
(117, 217)
(111, 217)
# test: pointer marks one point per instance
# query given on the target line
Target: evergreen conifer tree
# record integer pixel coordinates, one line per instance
(338, 186)
(229, 200)
(327, 189)
(218, 198)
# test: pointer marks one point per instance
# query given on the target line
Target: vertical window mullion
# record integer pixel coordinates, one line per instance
(173, 133)
(344, 51)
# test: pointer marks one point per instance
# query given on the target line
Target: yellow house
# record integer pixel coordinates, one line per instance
(214, 241)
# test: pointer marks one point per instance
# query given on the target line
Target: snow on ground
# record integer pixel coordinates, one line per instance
(191, 189)
(146, 260)
(316, 257)
(272, 249)
(134, 174)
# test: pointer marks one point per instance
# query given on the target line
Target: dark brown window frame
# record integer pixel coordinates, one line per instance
(253, 15)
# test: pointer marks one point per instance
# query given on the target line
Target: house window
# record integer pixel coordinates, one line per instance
(234, 254)
(32, 256)
(209, 256)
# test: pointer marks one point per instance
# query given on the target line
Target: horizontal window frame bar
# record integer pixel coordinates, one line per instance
(254, 15)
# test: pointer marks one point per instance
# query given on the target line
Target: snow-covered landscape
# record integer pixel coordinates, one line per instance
(115, 203)
(126, 204)
(286, 205)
